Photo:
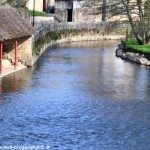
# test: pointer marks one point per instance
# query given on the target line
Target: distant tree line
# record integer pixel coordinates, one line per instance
(137, 12)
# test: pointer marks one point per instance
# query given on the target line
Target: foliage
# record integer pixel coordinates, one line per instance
(141, 26)
(132, 44)
(137, 12)
(51, 36)
(108, 8)
(56, 35)
(147, 9)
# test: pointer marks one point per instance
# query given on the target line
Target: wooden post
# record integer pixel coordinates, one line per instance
(33, 23)
(44, 5)
(1, 53)
(16, 51)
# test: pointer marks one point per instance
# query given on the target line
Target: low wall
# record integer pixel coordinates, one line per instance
(41, 21)
(54, 33)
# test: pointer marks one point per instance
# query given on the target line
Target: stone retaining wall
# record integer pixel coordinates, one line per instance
(76, 32)
(103, 28)
(41, 21)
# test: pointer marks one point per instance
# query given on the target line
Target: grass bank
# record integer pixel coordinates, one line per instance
(132, 44)
(37, 13)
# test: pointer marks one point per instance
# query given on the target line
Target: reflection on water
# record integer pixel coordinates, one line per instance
(77, 96)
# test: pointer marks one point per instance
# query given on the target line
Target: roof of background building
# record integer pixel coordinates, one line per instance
(12, 25)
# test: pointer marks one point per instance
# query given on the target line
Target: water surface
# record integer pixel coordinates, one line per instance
(78, 96)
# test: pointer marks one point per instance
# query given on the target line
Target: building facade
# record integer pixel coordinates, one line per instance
(40, 5)
(74, 11)
(15, 36)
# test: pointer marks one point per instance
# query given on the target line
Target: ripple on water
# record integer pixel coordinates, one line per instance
(78, 96)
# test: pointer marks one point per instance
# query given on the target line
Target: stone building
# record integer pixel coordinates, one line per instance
(15, 36)
(40, 5)
(74, 11)
(96, 10)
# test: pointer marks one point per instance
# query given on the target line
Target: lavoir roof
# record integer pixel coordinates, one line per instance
(12, 26)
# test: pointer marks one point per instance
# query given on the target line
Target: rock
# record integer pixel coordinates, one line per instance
(148, 63)
(119, 53)
(121, 46)
(148, 56)
(117, 50)
(137, 54)
(131, 57)
(124, 56)
(127, 53)
(29, 62)
(6, 63)
(138, 60)
(135, 57)
(144, 61)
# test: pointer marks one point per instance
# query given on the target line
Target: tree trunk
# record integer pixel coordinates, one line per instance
(126, 5)
(105, 10)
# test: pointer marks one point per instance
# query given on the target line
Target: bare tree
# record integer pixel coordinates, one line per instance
(139, 27)
(105, 10)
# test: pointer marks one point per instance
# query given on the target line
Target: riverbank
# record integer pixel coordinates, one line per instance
(76, 97)
(79, 38)
(57, 33)
(32, 60)
(140, 58)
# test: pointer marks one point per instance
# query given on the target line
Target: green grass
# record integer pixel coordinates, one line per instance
(133, 45)
(37, 13)
(132, 42)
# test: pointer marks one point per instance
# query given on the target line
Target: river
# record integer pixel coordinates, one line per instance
(77, 96)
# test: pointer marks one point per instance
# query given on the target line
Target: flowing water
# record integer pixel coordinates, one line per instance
(78, 96)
